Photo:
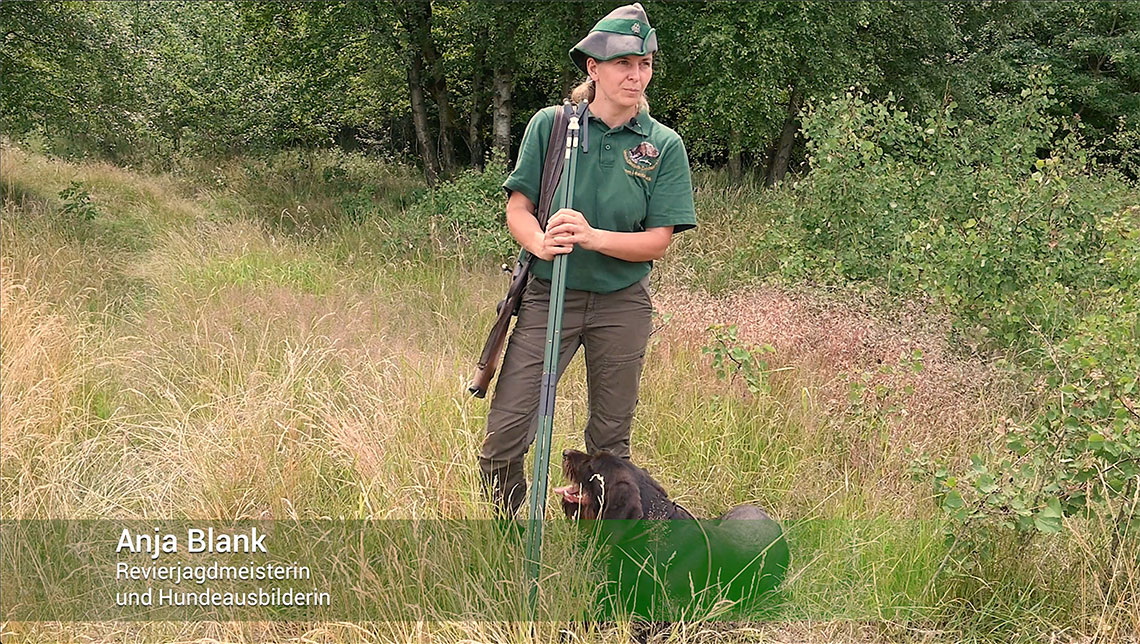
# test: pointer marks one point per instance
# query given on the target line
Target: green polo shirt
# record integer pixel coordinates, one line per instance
(633, 177)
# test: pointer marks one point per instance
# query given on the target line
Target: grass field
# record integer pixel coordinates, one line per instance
(179, 346)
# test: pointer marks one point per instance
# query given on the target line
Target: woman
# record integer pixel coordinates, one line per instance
(632, 193)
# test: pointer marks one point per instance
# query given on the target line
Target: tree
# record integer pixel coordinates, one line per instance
(749, 68)
(68, 70)
(1092, 50)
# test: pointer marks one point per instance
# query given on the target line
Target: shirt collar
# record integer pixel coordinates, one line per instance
(638, 124)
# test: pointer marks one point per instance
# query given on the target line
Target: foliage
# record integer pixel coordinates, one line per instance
(141, 81)
(77, 204)
(872, 395)
(329, 67)
(743, 61)
(1001, 223)
(1091, 48)
(68, 72)
(469, 211)
(730, 358)
(997, 219)
(1080, 456)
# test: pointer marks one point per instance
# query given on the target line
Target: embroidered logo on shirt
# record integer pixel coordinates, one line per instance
(642, 159)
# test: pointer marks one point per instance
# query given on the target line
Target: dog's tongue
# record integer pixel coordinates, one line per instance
(570, 493)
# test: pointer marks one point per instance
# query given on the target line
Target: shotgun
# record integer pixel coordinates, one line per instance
(509, 305)
(493, 347)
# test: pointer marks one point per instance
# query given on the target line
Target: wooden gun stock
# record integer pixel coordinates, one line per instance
(493, 347)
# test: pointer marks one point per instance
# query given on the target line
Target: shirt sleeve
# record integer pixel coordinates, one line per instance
(671, 203)
(527, 175)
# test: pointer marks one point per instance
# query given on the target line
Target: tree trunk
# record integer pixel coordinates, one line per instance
(415, 18)
(419, 19)
(501, 119)
(420, 118)
(478, 81)
(446, 126)
(779, 165)
(734, 153)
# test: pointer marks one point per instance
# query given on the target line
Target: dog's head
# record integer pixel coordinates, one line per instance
(602, 486)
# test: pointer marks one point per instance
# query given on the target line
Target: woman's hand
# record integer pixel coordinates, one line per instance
(569, 228)
(524, 228)
(546, 247)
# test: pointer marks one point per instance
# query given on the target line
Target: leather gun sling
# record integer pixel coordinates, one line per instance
(552, 166)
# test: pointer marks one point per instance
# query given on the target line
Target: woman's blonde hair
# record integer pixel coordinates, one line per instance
(585, 91)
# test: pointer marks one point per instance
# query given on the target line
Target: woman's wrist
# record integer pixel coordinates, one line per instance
(639, 246)
(537, 241)
(597, 240)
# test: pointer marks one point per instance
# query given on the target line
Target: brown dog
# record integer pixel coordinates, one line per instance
(653, 565)
(604, 486)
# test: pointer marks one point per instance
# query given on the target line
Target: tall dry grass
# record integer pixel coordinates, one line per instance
(217, 366)
(44, 370)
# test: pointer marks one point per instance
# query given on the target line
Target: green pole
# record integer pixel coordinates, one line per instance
(549, 380)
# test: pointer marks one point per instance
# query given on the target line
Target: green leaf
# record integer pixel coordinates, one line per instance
(986, 484)
(1047, 525)
(953, 501)
(1048, 519)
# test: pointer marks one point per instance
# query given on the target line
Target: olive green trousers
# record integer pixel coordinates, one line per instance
(614, 329)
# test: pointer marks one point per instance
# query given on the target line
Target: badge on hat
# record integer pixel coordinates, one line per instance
(625, 31)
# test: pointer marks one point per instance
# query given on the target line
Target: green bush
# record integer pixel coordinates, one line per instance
(77, 206)
(731, 358)
(469, 212)
(1080, 456)
(1003, 224)
(999, 222)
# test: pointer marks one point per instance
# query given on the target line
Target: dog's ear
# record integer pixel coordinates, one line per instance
(572, 462)
(621, 499)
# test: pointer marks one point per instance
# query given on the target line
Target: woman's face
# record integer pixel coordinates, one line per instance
(621, 80)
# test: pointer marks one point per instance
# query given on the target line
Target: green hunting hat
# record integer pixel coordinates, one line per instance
(625, 31)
